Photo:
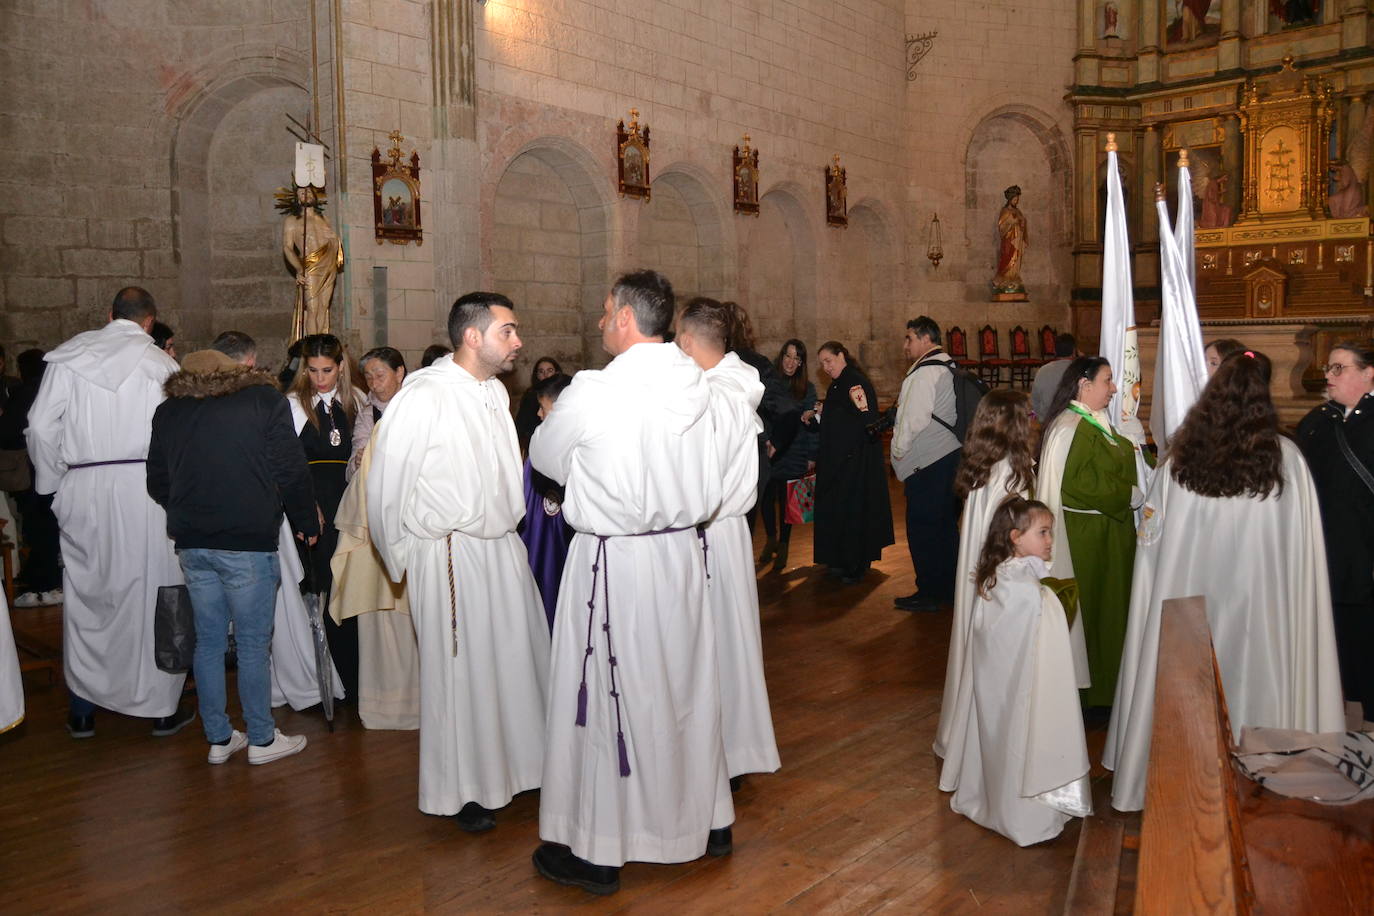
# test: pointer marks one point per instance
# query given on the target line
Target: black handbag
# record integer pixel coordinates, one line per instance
(174, 630)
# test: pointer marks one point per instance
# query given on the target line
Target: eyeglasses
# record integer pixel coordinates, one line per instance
(1335, 369)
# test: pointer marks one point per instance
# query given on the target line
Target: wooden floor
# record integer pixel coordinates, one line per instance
(853, 823)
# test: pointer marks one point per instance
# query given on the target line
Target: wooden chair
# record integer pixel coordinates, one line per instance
(1022, 363)
(956, 345)
(991, 366)
(1047, 336)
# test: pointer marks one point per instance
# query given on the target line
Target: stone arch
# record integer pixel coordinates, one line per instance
(1001, 151)
(198, 105)
(870, 229)
(549, 233)
(712, 272)
(778, 281)
(1052, 145)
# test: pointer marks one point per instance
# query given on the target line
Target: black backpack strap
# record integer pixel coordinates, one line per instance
(953, 374)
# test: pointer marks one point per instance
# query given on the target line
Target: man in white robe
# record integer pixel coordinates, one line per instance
(731, 587)
(444, 498)
(1261, 565)
(88, 439)
(636, 766)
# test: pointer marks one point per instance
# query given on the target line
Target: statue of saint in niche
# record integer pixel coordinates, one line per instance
(312, 249)
(1011, 229)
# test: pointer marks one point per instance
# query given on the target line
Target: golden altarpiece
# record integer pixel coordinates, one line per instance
(1274, 106)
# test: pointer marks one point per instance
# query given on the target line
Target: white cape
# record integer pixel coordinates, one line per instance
(444, 497)
(96, 404)
(388, 658)
(732, 588)
(973, 531)
(11, 683)
(1023, 767)
(294, 678)
(1261, 565)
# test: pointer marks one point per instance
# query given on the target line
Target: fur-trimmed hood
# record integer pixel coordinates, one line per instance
(217, 384)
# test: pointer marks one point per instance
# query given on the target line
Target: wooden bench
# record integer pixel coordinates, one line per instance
(1212, 841)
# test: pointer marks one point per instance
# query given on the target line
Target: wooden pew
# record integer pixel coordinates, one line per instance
(1211, 840)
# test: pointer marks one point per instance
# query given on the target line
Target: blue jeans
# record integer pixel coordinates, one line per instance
(237, 585)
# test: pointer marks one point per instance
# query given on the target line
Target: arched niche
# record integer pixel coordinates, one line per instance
(869, 271)
(680, 234)
(229, 151)
(1023, 146)
(778, 269)
(548, 251)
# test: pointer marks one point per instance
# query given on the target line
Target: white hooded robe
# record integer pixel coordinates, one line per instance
(96, 405)
(444, 498)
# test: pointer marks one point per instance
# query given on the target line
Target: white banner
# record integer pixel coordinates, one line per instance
(309, 165)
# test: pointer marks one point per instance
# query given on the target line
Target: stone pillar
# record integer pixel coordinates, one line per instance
(454, 221)
(1354, 25)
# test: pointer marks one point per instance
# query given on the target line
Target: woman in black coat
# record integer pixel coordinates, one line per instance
(1347, 506)
(853, 512)
(527, 416)
(793, 449)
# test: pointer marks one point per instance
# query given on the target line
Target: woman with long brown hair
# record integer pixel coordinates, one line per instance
(793, 449)
(998, 461)
(1231, 516)
(325, 405)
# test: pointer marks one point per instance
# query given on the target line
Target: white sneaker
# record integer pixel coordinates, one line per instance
(281, 746)
(29, 599)
(51, 597)
(219, 753)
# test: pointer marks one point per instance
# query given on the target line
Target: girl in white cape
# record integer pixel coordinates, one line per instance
(1023, 764)
(998, 461)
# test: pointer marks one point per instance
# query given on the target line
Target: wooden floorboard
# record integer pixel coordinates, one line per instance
(853, 823)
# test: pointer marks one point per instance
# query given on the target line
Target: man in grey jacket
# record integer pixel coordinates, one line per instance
(925, 455)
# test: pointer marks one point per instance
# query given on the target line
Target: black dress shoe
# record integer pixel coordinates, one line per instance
(557, 863)
(81, 726)
(921, 605)
(720, 842)
(736, 782)
(475, 819)
(907, 602)
(170, 725)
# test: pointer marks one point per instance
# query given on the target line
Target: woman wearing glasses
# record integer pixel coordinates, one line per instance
(1337, 439)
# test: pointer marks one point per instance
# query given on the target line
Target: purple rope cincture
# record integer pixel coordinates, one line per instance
(705, 549)
(598, 572)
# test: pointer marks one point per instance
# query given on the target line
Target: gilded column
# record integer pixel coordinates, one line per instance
(1149, 25)
(1228, 48)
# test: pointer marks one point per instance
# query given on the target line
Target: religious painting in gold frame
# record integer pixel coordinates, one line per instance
(1215, 189)
(396, 195)
(836, 194)
(745, 167)
(632, 157)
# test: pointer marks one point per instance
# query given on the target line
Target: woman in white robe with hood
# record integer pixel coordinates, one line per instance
(1232, 516)
(1023, 759)
(998, 461)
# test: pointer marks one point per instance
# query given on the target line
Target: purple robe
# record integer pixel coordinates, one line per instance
(546, 535)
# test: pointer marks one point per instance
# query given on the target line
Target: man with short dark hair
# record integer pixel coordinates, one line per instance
(223, 461)
(637, 770)
(239, 347)
(444, 499)
(925, 455)
(1048, 376)
(88, 439)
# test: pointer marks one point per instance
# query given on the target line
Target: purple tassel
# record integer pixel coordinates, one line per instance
(582, 705)
(624, 755)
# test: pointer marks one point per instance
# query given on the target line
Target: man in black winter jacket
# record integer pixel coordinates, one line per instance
(223, 461)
